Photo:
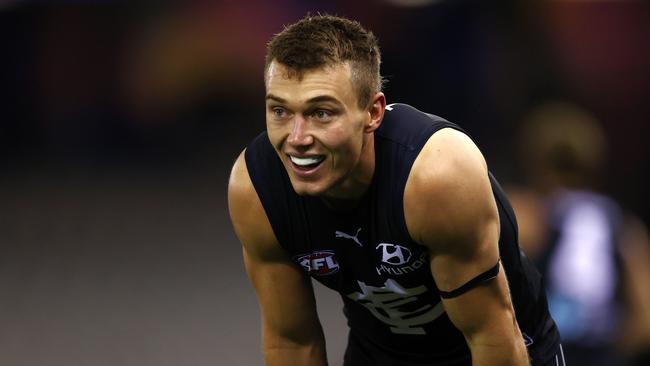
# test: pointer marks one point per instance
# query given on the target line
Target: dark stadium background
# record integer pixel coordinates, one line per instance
(119, 122)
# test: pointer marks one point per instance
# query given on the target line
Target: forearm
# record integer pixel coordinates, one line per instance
(311, 354)
(308, 349)
(486, 318)
(498, 351)
(497, 342)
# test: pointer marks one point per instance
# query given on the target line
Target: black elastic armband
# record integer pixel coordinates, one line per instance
(484, 277)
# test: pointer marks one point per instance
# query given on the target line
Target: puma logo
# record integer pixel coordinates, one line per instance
(340, 234)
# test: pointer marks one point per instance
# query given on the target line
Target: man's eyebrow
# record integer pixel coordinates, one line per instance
(277, 99)
(316, 99)
(324, 98)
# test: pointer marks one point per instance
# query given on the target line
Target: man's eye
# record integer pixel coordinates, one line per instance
(322, 114)
(279, 112)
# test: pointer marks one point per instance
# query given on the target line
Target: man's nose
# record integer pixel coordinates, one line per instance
(300, 134)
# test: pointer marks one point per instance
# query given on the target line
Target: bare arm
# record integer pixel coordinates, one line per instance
(291, 331)
(450, 208)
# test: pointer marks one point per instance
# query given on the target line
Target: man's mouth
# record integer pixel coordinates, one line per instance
(306, 163)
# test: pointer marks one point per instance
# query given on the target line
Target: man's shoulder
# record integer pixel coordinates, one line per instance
(448, 156)
(240, 186)
(247, 214)
(263, 165)
(443, 150)
(448, 179)
(259, 146)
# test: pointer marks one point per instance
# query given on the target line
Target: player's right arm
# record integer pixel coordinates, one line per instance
(291, 331)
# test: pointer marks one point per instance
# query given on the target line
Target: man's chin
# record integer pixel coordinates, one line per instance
(309, 188)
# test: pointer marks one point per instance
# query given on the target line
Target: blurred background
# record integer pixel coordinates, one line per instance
(120, 120)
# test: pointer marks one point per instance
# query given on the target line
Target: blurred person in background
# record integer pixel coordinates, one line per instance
(634, 340)
(391, 207)
(579, 238)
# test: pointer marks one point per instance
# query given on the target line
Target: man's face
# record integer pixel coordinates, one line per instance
(316, 127)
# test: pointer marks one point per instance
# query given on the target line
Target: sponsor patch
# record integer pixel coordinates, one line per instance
(394, 254)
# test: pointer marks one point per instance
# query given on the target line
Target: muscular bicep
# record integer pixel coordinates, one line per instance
(284, 292)
(450, 208)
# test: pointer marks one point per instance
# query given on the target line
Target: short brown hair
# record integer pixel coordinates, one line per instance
(323, 40)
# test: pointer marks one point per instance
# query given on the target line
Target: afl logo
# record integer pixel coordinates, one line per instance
(394, 254)
(319, 263)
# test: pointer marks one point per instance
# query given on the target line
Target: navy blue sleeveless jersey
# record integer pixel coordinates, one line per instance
(366, 254)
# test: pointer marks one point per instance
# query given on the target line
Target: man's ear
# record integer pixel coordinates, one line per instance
(376, 112)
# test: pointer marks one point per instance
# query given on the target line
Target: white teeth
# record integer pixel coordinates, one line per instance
(306, 161)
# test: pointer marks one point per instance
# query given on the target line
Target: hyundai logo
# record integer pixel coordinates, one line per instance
(394, 254)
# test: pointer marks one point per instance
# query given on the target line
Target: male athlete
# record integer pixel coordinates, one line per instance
(391, 207)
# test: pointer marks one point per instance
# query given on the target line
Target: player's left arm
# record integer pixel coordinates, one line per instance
(450, 208)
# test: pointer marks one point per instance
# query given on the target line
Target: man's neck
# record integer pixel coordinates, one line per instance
(349, 192)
